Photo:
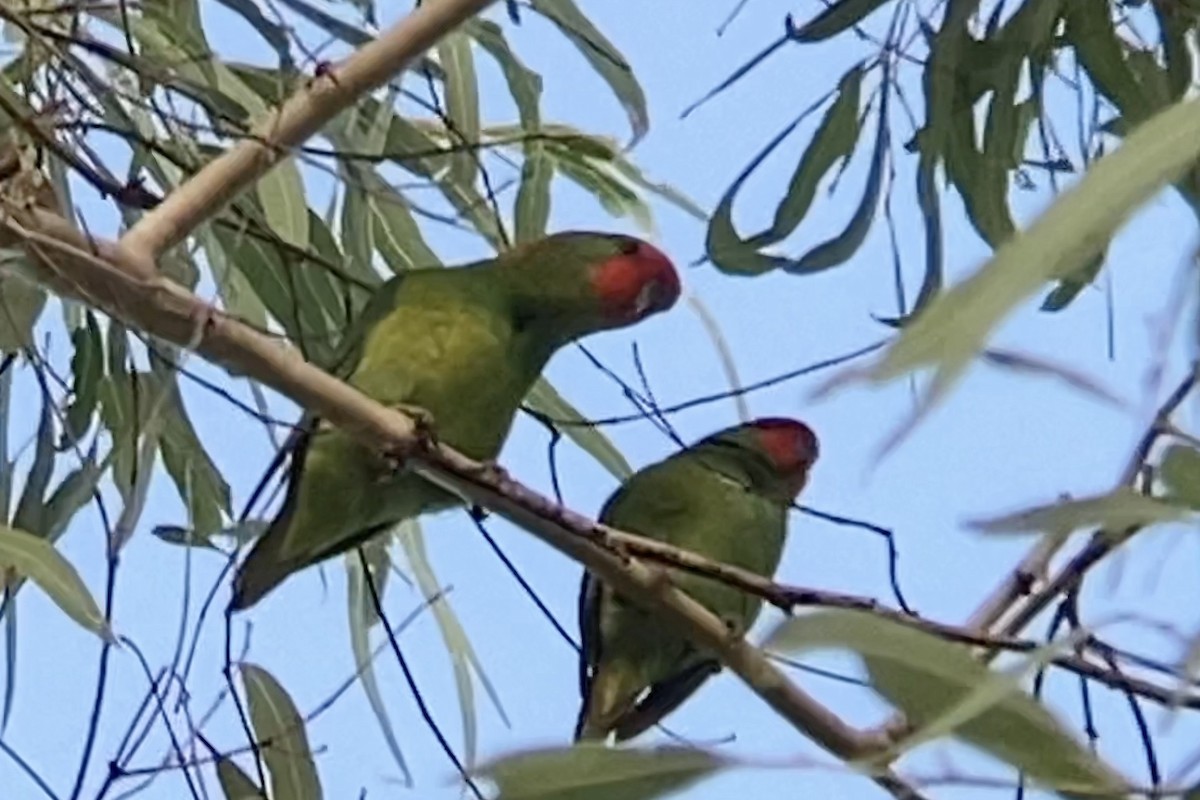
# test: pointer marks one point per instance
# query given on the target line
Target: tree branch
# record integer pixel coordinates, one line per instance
(302, 116)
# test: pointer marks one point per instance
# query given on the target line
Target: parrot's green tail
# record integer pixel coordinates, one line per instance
(264, 568)
(606, 703)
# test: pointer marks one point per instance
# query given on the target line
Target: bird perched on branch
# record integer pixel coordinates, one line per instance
(460, 348)
(726, 498)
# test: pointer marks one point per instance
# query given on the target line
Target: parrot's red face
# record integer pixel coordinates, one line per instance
(637, 282)
(791, 446)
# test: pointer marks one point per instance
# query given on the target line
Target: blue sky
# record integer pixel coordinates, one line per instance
(999, 443)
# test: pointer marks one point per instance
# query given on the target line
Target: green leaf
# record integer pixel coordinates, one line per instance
(545, 399)
(462, 105)
(30, 508)
(21, 303)
(362, 616)
(462, 655)
(833, 141)
(524, 84)
(940, 686)
(34, 558)
(284, 202)
(595, 772)
(279, 729)
(840, 248)
(235, 783)
(1180, 473)
(87, 368)
(1099, 50)
(835, 19)
(75, 491)
(533, 196)
(955, 325)
(1116, 511)
(201, 486)
(603, 56)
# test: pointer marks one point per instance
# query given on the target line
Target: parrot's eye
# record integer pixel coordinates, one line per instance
(629, 247)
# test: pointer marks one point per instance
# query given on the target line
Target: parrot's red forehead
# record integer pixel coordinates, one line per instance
(791, 444)
(636, 282)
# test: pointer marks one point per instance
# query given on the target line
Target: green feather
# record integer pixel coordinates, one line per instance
(464, 344)
(720, 498)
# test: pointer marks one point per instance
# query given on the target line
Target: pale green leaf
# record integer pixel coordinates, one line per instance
(595, 772)
(1116, 511)
(938, 684)
(34, 558)
(279, 728)
(235, 783)
(603, 57)
(21, 303)
(462, 104)
(533, 196)
(463, 658)
(362, 616)
(283, 200)
(955, 325)
(545, 399)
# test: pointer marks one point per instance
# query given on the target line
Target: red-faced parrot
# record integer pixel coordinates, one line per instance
(465, 345)
(725, 497)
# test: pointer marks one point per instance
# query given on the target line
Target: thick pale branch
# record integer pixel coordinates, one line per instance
(303, 115)
(98, 273)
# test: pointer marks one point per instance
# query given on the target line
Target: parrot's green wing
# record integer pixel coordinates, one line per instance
(350, 348)
(664, 697)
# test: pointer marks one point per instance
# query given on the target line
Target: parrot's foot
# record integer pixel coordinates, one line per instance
(423, 432)
(492, 472)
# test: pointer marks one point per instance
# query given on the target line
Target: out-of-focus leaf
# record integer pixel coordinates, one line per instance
(462, 104)
(545, 399)
(21, 303)
(280, 728)
(32, 557)
(931, 216)
(87, 368)
(362, 616)
(1121, 509)
(592, 175)
(594, 772)
(240, 534)
(201, 486)
(603, 57)
(30, 508)
(1180, 473)
(235, 783)
(939, 684)
(533, 195)
(834, 19)
(458, 645)
(728, 363)
(955, 325)
(665, 191)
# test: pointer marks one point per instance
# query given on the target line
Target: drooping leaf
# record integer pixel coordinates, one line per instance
(836, 18)
(545, 399)
(362, 616)
(603, 57)
(462, 105)
(283, 740)
(593, 772)
(1119, 510)
(955, 325)
(524, 84)
(938, 684)
(533, 196)
(28, 515)
(235, 783)
(284, 203)
(32, 557)
(87, 368)
(462, 655)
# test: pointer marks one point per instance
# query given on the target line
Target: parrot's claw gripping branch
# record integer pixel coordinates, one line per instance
(423, 440)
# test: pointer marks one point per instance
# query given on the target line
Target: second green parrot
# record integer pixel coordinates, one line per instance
(466, 345)
(727, 498)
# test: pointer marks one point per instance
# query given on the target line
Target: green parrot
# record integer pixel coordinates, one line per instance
(463, 345)
(727, 498)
